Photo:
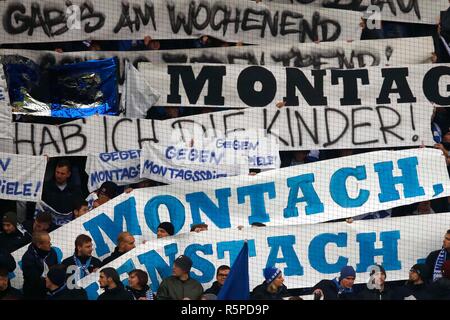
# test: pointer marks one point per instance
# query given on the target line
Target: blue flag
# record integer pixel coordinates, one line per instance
(236, 286)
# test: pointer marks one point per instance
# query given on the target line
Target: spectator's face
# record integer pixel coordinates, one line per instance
(177, 271)
(48, 283)
(413, 276)
(8, 228)
(102, 199)
(379, 278)
(3, 283)
(278, 281)
(133, 281)
(172, 112)
(103, 281)
(222, 276)
(162, 233)
(446, 137)
(200, 229)
(446, 242)
(62, 174)
(45, 243)
(40, 226)
(128, 244)
(348, 282)
(85, 250)
(83, 210)
(424, 207)
(300, 156)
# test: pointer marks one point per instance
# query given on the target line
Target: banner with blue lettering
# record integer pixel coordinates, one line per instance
(302, 194)
(305, 254)
(75, 90)
(21, 177)
(120, 167)
(6, 133)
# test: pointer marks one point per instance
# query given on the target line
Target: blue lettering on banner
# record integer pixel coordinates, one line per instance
(236, 144)
(257, 204)
(313, 203)
(121, 174)
(174, 206)
(125, 268)
(234, 247)
(5, 164)
(124, 210)
(338, 189)
(120, 155)
(317, 253)
(286, 244)
(409, 179)
(389, 250)
(220, 214)
(199, 263)
(193, 155)
(17, 188)
(153, 263)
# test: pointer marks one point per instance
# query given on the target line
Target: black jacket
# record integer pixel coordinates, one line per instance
(138, 293)
(116, 254)
(215, 289)
(375, 294)
(431, 260)
(418, 291)
(440, 289)
(95, 263)
(67, 294)
(13, 241)
(28, 227)
(118, 293)
(261, 293)
(10, 293)
(7, 260)
(331, 291)
(32, 267)
(62, 201)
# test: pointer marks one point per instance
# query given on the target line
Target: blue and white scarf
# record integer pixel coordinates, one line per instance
(84, 268)
(341, 289)
(437, 274)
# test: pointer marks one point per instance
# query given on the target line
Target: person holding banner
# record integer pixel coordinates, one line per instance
(82, 261)
(272, 288)
(339, 288)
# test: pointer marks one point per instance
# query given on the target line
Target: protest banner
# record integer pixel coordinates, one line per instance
(330, 189)
(415, 11)
(121, 167)
(6, 134)
(240, 86)
(295, 128)
(51, 20)
(305, 254)
(21, 177)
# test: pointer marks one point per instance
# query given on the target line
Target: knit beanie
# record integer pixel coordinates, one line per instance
(271, 273)
(347, 271)
(168, 227)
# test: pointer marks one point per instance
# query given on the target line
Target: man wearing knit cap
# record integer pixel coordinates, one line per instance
(56, 285)
(440, 289)
(376, 288)
(180, 286)
(272, 288)
(339, 288)
(415, 288)
(165, 229)
(11, 238)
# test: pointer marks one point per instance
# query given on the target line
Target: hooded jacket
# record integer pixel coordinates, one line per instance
(260, 293)
(172, 288)
(118, 293)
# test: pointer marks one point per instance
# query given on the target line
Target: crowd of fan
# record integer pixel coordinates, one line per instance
(23, 224)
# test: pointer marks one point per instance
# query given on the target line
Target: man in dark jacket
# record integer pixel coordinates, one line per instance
(415, 288)
(11, 238)
(82, 259)
(436, 259)
(339, 288)
(36, 262)
(43, 222)
(440, 289)
(272, 288)
(125, 243)
(57, 287)
(7, 260)
(109, 280)
(6, 291)
(180, 286)
(376, 289)
(59, 193)
(221, 276)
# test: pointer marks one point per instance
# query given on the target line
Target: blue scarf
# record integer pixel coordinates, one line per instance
(341, 289)
(437, 273)
(84, 268)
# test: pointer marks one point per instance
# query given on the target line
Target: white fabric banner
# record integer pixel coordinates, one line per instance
(416, 11)
(305, 254)
(295, 128)
(6, 127)
(240, 86)
(120, 167)
(232, 20)
(303, 194)
(21, 177)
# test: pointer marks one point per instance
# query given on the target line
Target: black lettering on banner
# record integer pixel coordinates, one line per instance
(18, 141)
(284, 23)
(213, 124)
(327, 126)
(291, 135)
(325, 23)
(399, 76)
(113, 135)
(46, 132)
(177, 57)
(105, 132)
(268, 127)
(359, 125)
(246, 86)
(88, 13)
(126, 21)
(248, 56)
(76, 134)
(296, 79)
(179, 123)
(350, 80)
(431, 85)
(197, 25)
(383, 127)
(225, 122)
(226, 20)
(314, 135)
(139, 132)
(267, 20)
(194, 85)
(180, 19)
